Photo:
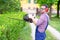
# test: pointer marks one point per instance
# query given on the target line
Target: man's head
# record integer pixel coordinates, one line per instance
(43, 9)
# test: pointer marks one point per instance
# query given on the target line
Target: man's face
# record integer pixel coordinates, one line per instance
(42, 9)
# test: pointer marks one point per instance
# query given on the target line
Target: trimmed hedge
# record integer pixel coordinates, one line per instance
(12, 26)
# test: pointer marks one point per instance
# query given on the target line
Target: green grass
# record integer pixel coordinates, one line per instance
(55, 22)
(49, 36)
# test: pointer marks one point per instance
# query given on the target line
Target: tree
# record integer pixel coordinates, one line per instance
(9, 5)
(48, 2)
(58, 8)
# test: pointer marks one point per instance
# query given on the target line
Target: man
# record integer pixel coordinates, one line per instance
(41, 24)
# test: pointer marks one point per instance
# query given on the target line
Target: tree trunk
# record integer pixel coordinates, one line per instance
(1, 11)
(50, 10)
(21, 8)
(58, 9)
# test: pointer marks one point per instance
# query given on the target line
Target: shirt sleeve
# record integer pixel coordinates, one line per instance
(40, 21)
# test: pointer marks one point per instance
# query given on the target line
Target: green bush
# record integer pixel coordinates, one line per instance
(9, 5)
(12, 26)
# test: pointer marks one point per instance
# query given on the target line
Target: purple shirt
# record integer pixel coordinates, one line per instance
(42, 22)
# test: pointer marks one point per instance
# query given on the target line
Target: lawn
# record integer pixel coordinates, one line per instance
(49, 36)
(55, 22)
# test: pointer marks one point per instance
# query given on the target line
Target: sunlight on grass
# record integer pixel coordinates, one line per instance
(49, 36)
(55, 22)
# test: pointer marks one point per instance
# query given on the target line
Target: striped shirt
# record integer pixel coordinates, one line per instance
(42, 22)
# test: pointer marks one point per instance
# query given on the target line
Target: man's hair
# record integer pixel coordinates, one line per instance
(45, 5)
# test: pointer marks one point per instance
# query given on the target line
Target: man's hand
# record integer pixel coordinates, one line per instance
(33, 19)
(30, 16)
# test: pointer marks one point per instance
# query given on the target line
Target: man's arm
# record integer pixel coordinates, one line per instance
(39, 21)
(34, 21)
